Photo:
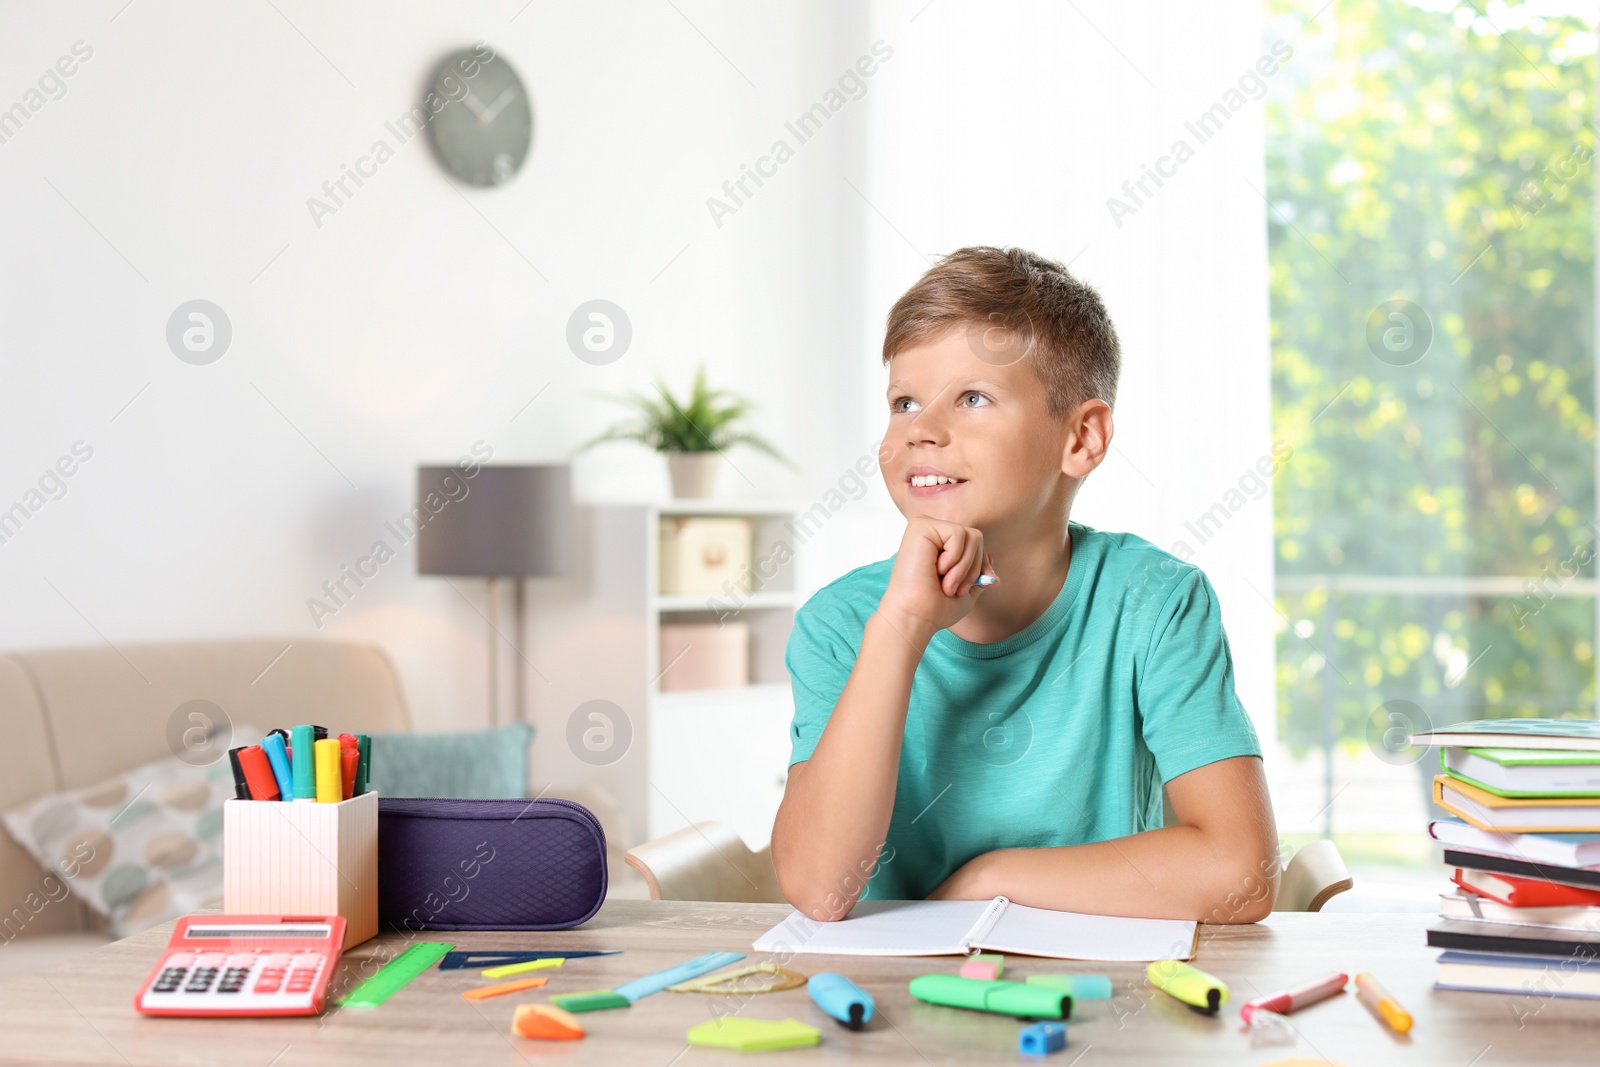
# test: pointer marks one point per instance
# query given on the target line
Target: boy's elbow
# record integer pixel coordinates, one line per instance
(1244, 890)
(815, 901)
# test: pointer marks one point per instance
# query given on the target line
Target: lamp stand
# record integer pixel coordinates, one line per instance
(516, 663)
(519, 665)
(494, 652)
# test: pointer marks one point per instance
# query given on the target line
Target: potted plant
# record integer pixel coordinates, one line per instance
(692, 433)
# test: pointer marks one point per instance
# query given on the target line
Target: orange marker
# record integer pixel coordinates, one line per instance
(1377, 1000)
(485, 992)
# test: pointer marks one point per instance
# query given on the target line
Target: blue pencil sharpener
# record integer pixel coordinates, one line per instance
(1041, 1039)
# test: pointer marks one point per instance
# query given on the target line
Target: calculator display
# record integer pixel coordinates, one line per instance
(197, 932)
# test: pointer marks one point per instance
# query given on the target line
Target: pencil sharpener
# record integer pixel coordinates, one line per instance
(1041, 1039)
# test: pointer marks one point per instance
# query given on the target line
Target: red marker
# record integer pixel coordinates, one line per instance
(348, 759)
(258, 774)
(1295, 999)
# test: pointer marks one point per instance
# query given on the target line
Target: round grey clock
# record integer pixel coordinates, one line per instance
(482, 132)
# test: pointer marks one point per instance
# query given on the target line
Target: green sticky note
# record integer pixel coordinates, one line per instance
(590, 1000)
(754, 1035)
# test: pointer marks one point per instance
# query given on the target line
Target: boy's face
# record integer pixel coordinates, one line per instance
(976, 415)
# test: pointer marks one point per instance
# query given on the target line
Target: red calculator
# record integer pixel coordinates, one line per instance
(220, 965)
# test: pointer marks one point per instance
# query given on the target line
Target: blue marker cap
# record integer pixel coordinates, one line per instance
(985, 580)
(1081, 986)
(278, 756)
(841, 998)
(305, 765)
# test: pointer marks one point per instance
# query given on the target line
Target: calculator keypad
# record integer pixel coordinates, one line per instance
(265, 980)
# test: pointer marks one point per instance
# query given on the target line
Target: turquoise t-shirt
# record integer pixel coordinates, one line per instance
(1062, 733)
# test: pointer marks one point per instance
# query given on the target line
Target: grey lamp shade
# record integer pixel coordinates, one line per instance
(503, 522)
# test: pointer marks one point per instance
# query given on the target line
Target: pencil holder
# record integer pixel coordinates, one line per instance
(289, 858)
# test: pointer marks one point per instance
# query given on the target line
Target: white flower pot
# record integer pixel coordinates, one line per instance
(694, 474)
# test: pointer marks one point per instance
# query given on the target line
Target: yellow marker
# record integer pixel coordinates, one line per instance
(523, 968)
(330, 787)
(1380, 1003)
(1194, 987)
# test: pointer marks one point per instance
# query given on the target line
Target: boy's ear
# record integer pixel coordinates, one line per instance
(1089, 432)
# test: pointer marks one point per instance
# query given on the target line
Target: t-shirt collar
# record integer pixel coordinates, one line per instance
(946, 641)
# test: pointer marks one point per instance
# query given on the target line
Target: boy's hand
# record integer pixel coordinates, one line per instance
(932, 588)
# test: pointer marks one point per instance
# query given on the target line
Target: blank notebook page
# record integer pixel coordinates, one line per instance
(1072, 935)
(881, 928)
(943, 928)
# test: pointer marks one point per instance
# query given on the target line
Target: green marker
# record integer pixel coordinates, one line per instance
(590, 1000)
(1001, 997)
(303, 762)
(396, 974)
(364, 764)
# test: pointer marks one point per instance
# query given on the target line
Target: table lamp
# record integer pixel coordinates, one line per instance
(504, 523)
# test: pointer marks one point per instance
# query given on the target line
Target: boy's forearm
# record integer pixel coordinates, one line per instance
(1176, 872)
(835, 812)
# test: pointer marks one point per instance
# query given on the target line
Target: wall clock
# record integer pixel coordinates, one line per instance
(482, 134)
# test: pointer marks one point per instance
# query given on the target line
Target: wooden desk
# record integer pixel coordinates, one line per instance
(83, 1013)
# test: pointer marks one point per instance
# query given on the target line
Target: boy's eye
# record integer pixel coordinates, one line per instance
(973, 399)
(902, 404)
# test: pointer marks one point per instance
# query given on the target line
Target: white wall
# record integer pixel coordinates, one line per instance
(408, 326)
(404, 328)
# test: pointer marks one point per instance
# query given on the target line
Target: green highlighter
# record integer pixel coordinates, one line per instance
(993, 995)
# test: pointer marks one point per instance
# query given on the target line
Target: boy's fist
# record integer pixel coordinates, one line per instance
(932, 587)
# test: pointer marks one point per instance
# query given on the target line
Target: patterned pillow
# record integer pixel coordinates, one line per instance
(140, 848)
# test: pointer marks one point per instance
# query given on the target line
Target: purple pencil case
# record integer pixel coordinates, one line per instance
(446, 864)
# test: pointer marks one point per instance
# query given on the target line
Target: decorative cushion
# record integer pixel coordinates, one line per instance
(479, 764)
(140, 848)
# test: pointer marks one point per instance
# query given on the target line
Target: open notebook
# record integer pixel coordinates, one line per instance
(956, 927)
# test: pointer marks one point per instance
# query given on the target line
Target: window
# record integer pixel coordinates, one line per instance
(1431, 239)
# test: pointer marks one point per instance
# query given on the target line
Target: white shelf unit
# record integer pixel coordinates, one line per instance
(724, 753)
(695, 755)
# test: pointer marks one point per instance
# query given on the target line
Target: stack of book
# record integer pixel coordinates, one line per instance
(1523, 856)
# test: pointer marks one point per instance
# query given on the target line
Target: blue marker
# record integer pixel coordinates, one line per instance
(985, 580)
(278, 755)
(841, 998)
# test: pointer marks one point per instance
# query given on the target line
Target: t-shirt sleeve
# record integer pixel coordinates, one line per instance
(1189, 711)
(820, 661)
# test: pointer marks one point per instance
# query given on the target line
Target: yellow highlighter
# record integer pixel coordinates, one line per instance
(1377, 1000)
(510, 969)
(330, 787)
(1194, 987)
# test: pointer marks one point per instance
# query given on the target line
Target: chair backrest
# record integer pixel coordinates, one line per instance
(708, 861)
(1314, 875)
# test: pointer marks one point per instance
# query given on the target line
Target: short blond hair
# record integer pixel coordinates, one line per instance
(1061, 321)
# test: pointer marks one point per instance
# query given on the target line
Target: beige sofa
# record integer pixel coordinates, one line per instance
(72, 717)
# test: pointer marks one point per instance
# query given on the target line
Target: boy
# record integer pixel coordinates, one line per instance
(961, 741)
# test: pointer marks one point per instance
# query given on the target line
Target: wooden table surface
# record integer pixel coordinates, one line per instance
(82, 1012)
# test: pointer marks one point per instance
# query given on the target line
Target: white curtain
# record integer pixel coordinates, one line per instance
(1017, 123)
